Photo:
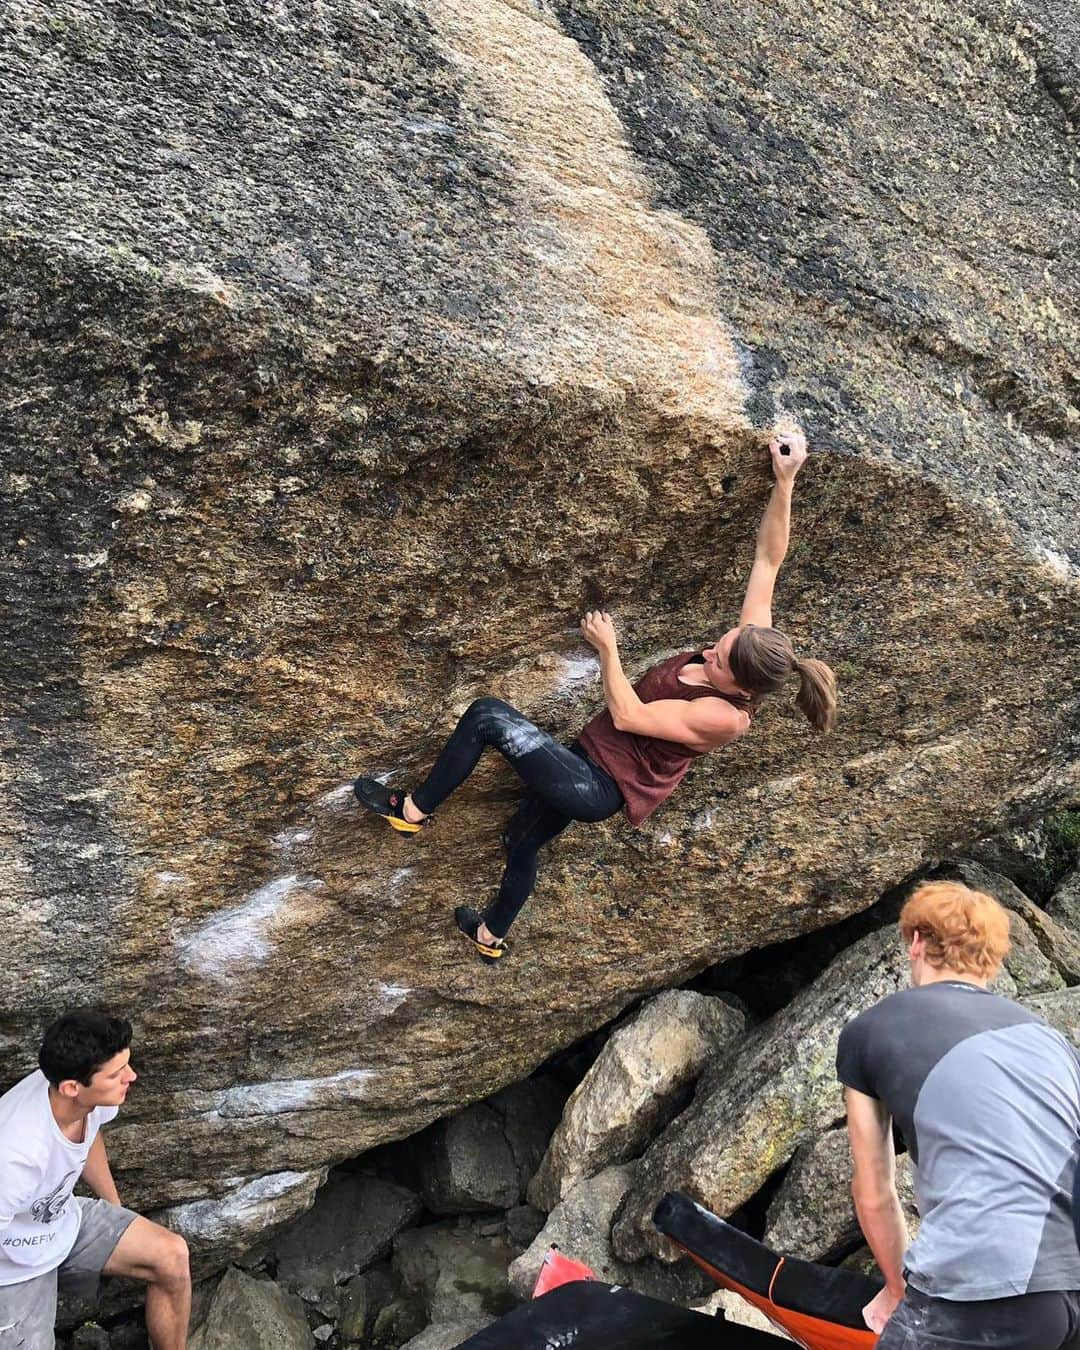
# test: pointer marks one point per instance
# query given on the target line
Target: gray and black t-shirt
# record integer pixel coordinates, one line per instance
(987, 1097)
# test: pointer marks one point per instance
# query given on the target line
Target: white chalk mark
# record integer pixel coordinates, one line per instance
(237, 936)
(577, 670)
(169, 878)
(295, 1094)
(392, 996)
(399, 878)
(290, 838)
(336, 798)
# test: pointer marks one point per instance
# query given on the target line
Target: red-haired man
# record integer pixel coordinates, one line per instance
(987, 1098)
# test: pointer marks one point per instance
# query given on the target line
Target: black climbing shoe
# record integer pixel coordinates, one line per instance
(388, 803)
(469, 921)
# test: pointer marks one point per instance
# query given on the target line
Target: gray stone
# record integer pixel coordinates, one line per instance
(523, 1223)
(352, 1224)
(1058, 944)
(812, 1215)
(362, 1298)
(580, 1226)
(90, 1337)
(483, 1157)
(773, 1092)
(446, 1335)
(1061, 1009)
(456, 1274)
(249, 1314)
(399, 1321)
(639, 1080)
(224, 1228)
(1064, 905)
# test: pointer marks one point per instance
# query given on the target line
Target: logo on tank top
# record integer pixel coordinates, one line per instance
(49, 1208)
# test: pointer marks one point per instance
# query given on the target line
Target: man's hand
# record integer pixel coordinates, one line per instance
(880, 1308)
(598, 630)
(789, 452)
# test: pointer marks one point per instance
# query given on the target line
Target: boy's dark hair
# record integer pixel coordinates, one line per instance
(77, 1044)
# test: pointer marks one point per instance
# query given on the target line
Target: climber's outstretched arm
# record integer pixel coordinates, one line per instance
(789, 454)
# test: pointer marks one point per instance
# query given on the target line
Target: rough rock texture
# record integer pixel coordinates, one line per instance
(1059, 945)
(580, 1226)
(1064, 905)
(737, 1311)
(248, 1314)
(347, 352)
(446, 1335)
(353, 1222)
(455, 1273)
(483, 1157)
(812, 1214)
(778, 1091)
(755, 1107)
(224, 1228)
(362, 1298)
(638, 1082)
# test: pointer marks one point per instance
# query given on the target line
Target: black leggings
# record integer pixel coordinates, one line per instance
(564, 785)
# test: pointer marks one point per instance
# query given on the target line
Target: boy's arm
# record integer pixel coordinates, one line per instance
(877, 1204)
(98, 1174)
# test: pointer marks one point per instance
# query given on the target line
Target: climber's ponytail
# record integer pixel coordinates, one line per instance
(817, 693)
(762, 660)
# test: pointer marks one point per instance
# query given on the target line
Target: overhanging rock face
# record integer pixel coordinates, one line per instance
(348, 352)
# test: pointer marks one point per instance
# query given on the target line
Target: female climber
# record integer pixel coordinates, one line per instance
(634, 754)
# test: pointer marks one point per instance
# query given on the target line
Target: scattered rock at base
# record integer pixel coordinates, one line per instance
(250, 1314)
(90, 1337)
(637, 1084)
(738, 1312)
(580, 1226)
(1064, 905)
(812, 1215)
(362, 1299)
(457, 1275)
(352, 1223)
(483, 1157)
(753, 1109)
(523, 1223)
(446, 1335)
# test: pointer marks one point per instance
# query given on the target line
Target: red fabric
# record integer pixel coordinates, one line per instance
(647, 770)
(557, 1270)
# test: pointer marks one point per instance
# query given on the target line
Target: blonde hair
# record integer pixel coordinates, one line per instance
(763, 660)
(964, 930)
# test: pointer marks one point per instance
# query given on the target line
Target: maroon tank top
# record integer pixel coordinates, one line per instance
(647, 769)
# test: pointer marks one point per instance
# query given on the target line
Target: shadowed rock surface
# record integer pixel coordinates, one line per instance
(347, 354)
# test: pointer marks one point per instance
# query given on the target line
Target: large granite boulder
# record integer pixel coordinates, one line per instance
(1064, 904)
(637, 1083)
(347, 352)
